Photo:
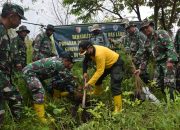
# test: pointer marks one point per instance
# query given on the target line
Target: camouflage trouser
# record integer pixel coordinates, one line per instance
(63, 86)
(165, 78)
(116, 72)
(9, 93)
(36, 87)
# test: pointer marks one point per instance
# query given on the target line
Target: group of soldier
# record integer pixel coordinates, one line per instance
(13, 59)
(149, 44)
(141, 44)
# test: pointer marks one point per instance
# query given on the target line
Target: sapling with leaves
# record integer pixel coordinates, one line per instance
(141, 90)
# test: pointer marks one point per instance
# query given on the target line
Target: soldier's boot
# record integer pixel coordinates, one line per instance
(58, 93)
(117, 104)
(40, 111)
(98, 89)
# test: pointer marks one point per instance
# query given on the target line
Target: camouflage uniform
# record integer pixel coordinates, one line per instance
(177, 47)
(124, 40)
(40, 70)
(7, 90)
(160, 46)
(100, 39)
(18, 48)
(42, 47)
(64, 81)
(132, 44)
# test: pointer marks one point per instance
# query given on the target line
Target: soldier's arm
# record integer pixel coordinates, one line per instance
(85, 64)
(167, 42)
(142, 55)
(66, 77)
(36, 47)
(141, 40)
(126, 44)
(15, 52)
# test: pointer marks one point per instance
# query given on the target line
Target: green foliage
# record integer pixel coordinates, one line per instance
(135, 114)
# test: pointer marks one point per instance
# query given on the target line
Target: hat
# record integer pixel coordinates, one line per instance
(23, 28)
(84, 45)
(145, 23)
(68, 56)
(130, 24)
(9, 7)
(95, 27)
(50, 27)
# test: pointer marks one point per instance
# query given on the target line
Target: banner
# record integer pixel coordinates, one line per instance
(67, 37)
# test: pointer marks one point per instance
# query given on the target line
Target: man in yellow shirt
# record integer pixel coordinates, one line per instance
(107, 62)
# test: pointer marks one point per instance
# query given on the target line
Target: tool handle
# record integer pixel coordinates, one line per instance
(84, 96)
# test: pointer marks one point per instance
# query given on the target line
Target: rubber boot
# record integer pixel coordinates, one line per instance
(64, 94)
(58, 93)
(117, 104)
(40, 111)
(98, 89)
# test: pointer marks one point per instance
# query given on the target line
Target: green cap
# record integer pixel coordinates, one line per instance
(68, 56)
(130, 24)
(9, 7)
(23, 28)
(50, 27)
(146, 22)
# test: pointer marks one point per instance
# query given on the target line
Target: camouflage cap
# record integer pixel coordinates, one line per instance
(68, 56)
(95, 27)
(9, 7)
(50, 27)
(23, 28)
(130, 24)
(146, 23)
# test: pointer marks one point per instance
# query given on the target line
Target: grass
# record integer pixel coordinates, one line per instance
(136, 115)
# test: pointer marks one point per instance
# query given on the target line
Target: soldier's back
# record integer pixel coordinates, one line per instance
(5, 59)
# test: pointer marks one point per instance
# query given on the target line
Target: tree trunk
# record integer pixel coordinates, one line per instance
(172, 14)
(156, 10)
(162, 19)
(138, 12)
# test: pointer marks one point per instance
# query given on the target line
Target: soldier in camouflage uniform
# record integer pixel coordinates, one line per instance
(10, 18)
(42, 45)
(99, 37)
(135, 40)
(161, 47)
(19, 48)
(43, 69)
(177, 47)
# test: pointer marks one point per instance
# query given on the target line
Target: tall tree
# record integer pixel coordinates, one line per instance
(61, 12)
(165, 12)
(133, 5)
(85, 9)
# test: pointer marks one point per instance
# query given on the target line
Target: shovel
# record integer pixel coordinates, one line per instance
(84, 96)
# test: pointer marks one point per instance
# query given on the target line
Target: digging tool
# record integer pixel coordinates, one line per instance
(84, 96)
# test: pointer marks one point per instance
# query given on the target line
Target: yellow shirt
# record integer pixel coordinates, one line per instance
(104, 59)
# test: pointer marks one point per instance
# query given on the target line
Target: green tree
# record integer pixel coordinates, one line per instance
(165, 12)
(85, 9)
(133, 5)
